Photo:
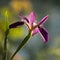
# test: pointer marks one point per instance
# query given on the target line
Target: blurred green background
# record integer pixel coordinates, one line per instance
(35, 49)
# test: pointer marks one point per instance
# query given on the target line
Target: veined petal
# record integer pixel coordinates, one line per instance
(43, 32)
(26, 21)
(14, 25)
(25, 18)
(42, 21)
(32, 18)
(35, 31)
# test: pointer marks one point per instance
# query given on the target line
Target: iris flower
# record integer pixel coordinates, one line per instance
(33, 29)
(33, 26)
(36, 27)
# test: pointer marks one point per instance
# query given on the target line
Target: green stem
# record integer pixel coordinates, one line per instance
(22, 44)
(5, 45)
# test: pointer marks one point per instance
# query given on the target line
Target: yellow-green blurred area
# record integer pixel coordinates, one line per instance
(35, 49)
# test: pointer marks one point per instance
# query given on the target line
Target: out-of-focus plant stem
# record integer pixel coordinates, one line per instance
(5, 45)
(6, 35)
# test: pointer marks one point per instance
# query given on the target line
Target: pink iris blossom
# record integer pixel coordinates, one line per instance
(36, 27)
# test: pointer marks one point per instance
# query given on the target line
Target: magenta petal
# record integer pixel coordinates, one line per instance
(43, 20)
(25, 18)
(32, 18)
(35, 31)
(43, 32)
(14, 25)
